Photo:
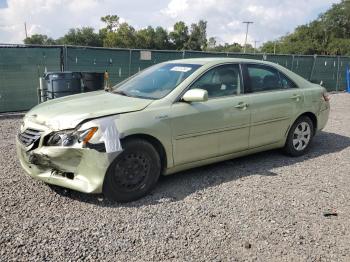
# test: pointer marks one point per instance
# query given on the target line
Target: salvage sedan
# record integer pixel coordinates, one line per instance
(170, 117)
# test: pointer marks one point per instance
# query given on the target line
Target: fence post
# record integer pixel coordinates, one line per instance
(337, 85)
(348, 78)
(66, 57)
(62, 58)
(130, 62)
(313, 67)
(292, 67)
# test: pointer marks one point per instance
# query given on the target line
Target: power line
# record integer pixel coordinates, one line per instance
(255, 42)
(25, 29)
(246, 34)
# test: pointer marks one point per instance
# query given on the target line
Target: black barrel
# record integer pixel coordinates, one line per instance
(61, 84)
(92, 81)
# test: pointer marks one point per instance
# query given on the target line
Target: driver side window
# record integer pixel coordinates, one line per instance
(220, 81)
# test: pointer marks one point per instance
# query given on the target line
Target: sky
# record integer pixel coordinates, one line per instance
(272, 18)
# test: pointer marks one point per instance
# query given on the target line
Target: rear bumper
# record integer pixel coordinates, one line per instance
(322, 116)
(80, 169)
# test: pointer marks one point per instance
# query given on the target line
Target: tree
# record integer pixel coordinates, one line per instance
(198, 37)
(339, 46)
(38, 39)
(161, 39)
(233, 48)
(145, 38)
(111, 21)
(211, 43)
(179, 36)
(124, 37)
(84, 36)
(328, 34)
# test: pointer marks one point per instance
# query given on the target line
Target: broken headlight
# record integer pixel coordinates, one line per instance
(71, 137)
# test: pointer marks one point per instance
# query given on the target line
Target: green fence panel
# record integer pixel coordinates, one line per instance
(21, 66)
(302, 65)
(283, 60)
(198, 54)
(344, 62)
(141, 59)
(115, 61)
(20, 69)
(246, 56)
(326, 70)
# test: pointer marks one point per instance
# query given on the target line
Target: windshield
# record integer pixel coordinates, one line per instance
(156, 81)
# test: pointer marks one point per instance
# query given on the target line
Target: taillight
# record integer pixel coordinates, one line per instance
(326, 96)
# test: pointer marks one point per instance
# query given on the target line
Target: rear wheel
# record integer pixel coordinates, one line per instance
(133, 173)
(299, 137)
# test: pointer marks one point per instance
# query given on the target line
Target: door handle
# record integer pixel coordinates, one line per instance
(296, 97)
(241, 105)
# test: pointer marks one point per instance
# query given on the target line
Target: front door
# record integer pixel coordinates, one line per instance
(216, 127)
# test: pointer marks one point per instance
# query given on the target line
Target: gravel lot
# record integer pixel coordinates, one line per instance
(257, 208)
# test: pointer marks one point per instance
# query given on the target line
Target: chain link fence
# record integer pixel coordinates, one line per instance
(21, 66)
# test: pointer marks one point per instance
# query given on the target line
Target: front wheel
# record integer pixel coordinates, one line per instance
(133, 173)
(299, 137)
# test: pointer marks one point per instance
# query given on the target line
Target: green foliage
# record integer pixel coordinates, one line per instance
(38, 39)
(124, 37)
(145, 38)
(111, 21)
(179, 36)
(84, 36)
(327, 35)
(234, 48)
(161, 39)
(197, 40)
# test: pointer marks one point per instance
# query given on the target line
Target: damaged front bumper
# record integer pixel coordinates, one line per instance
(78, 168)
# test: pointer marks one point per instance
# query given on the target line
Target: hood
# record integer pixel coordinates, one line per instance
(68, 112)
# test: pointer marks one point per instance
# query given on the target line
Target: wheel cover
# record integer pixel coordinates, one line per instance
(301, 136)
(131, 171)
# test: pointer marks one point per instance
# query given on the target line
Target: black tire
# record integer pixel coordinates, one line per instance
(133, 173)
(293, 148)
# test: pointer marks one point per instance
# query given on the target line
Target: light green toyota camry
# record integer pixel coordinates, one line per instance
(170, 117)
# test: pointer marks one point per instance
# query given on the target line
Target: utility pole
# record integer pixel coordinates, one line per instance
(25, 29)
(274, 47)
(255, 42)
(246, 34)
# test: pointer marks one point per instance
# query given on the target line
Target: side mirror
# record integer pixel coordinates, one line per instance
(195, 95)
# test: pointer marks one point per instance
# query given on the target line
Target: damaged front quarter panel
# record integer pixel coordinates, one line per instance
(80, 166)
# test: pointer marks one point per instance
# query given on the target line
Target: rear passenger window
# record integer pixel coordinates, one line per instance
(263, 78)
(287, 83)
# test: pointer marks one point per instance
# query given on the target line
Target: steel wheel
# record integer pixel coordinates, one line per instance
(301, 136)
(131, 171)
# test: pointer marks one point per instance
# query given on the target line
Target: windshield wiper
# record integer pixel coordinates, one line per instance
(120, 92)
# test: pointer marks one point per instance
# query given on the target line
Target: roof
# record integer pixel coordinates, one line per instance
(203, 61)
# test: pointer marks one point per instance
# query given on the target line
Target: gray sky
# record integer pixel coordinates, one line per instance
(272, 18)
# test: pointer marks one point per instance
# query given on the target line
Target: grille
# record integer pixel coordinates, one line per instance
(29, 136)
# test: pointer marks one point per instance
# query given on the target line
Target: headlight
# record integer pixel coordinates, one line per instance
(70, 137)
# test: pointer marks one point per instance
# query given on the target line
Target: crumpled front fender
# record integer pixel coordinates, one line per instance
(86, 167)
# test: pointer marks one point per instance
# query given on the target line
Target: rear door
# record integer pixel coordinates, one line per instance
(274, 101)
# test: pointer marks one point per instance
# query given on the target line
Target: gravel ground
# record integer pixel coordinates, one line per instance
(258, 208)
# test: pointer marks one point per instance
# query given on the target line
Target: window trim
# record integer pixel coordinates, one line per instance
(242, 87)
(246, 78)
